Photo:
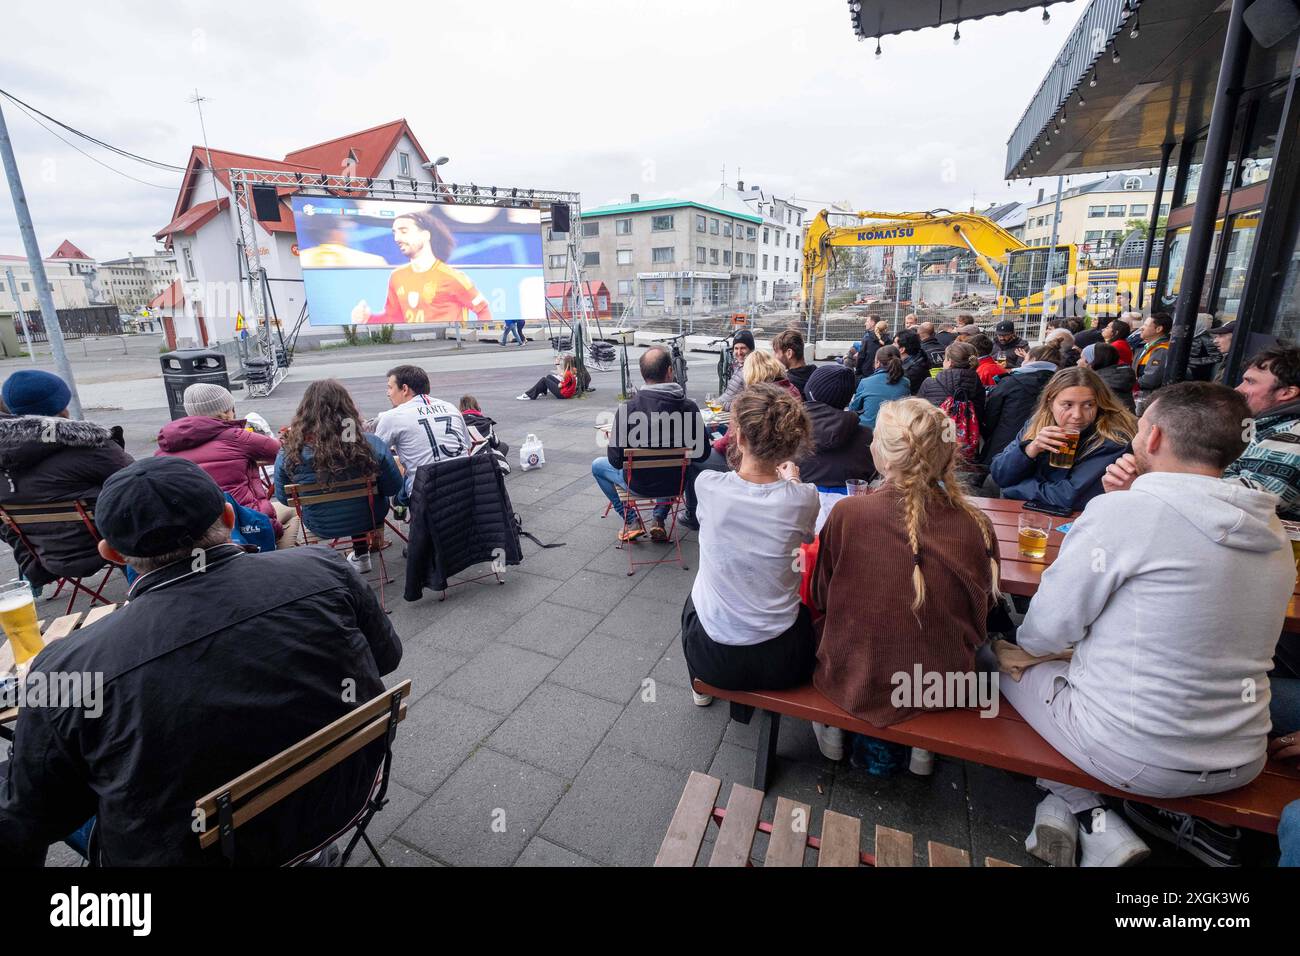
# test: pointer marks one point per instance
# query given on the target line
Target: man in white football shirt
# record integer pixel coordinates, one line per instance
(419, 429)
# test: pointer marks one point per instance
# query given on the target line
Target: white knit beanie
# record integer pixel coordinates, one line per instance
(204, 398)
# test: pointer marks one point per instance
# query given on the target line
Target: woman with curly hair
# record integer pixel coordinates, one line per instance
(931, 557)
(325, 443)
(743, 627)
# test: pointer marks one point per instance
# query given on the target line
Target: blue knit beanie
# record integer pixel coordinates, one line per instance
(33, 392)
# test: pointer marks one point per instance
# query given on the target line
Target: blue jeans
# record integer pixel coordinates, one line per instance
(1284, 703)
(608, 478)
(513, 327)
(1288, 835)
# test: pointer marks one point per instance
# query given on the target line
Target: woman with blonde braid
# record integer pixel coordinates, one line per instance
(931, 558)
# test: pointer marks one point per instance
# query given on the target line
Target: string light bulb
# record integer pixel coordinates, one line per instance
(1136, 27)
(1114, 54)
(877, 47)
(1047, 17)
(956, 34)
(1093, 82)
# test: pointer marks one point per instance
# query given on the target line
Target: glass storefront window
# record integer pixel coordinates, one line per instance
(1177, 256)
(1257, 157)
(1236, 260)
(1286, 322)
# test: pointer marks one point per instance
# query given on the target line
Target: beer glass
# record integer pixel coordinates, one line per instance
(1064, 458)
(18, 618)
(1033, 535)
(1293, 532)
(857, 486)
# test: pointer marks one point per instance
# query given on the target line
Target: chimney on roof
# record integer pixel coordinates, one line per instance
(636, 197)
(1040, 194)
(740, 185)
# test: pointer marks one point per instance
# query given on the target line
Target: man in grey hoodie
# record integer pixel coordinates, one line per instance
(1166, 694)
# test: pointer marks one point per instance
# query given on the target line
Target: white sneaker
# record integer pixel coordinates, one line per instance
(359, 561)
(830, 741)
(922, 762)
(1055, 836)
(1112, 841)
(522, 398)
(701, 700)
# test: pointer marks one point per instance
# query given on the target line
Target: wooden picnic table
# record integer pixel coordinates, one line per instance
(51, 631)
(1020, 575)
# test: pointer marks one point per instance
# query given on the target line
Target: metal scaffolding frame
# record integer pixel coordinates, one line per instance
(261, 310)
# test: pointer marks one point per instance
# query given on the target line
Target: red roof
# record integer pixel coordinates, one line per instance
(371, 147)
(555, 290)
(169, 298)
(192, 218)
(67, 250)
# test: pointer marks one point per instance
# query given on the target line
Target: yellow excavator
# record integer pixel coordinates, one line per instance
(1017, 271)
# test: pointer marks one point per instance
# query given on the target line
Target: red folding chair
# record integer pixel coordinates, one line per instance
(637, 459)
(15, 516)
(306, 494)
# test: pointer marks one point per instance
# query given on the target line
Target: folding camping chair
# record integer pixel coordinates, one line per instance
(15, 516)
(306, 494)
(635, 459)
(239, 801)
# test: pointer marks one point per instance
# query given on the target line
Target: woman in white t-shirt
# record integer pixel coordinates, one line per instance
(743, 627)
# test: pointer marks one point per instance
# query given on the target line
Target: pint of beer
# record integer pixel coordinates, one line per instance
(1064, 458)
(1293, 532)
(18, 618)
(1033, 535)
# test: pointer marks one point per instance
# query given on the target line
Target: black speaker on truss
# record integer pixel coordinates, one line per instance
(266, 203)
(559, 217)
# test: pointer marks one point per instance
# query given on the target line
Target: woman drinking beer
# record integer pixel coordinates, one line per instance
(1059, 457)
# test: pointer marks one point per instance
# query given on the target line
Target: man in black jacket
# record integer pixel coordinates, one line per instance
(930, 344)
(916, 364)
(1011, 401)
(47, 457)
(220, 660)
(659, 415)
(1005, 343)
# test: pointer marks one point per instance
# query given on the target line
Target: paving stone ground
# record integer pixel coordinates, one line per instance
(551, 722)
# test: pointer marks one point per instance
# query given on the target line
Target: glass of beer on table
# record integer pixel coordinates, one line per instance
(1033, 534)
(1064, 457)
(1293, 532)
(18, 618)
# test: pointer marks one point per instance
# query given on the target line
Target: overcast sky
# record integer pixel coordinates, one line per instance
(607, 97)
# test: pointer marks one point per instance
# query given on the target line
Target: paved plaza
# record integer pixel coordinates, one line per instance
(550, 720)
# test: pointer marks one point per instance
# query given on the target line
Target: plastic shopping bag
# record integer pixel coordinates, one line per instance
(531, 454)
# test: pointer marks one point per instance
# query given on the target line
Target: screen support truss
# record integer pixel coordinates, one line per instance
(311, 184)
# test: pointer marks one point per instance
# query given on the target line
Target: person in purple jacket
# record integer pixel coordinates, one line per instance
(222, 445)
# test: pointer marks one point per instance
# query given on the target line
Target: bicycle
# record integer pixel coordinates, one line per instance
(726, 360)
(674, 343)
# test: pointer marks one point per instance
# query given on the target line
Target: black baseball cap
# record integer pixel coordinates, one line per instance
(1226, 329)
(1006, 327)
(157, 505)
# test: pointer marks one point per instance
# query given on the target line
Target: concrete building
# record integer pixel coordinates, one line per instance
(1095, 215)
(68, 285)
(126, 283)
(202, 233)
(780, 251)
(667, 257)
(81, 264)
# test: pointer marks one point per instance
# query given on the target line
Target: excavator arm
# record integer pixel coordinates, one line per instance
(988, 241)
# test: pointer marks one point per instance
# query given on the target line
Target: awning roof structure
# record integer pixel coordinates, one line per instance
(1160, 88)
(879, 18)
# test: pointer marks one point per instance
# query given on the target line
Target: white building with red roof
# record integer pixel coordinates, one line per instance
(204, 228)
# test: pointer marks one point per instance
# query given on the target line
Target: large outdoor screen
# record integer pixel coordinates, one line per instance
(389, 262)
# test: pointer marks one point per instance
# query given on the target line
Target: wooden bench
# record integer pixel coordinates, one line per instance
(1005, 742)
(788, 831)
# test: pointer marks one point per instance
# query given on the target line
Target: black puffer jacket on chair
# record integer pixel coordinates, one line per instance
(460, 516)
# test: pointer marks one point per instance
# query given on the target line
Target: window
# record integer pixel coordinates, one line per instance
(699, 254)
(661, 254)
(1117, 210)
(713, 227)
(624, 286)
(1092, 235)
(798, 219)
(559, 262)
(404, 164)
(661, 223)
(1096, 212)
(1164, 209)
(26, 286)
(762, 287)
(653, 289)
(1138, 209)
(591, 258)
(787, 215)
(765, 235)
(699, 223)
(624, 257)
(726, 257)
(1133, 182)
(591, 229)
(765, 262)
(787, 263)
(788, 238)
(726, 228)
(713, 256)
(622, 227)
(683, 291)
(188, 256)
(552, 234)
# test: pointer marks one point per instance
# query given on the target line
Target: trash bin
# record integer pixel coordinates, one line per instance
(185, 367)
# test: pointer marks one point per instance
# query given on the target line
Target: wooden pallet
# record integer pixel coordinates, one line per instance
(788, 830)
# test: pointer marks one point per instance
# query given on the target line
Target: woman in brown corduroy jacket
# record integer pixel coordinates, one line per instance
(905, 575)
